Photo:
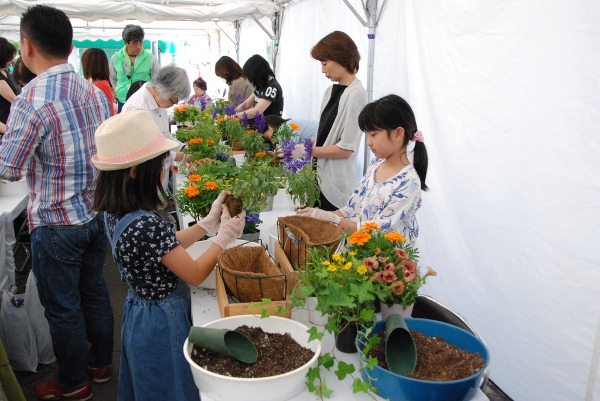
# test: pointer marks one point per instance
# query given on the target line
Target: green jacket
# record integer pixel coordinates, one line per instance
(141, 71)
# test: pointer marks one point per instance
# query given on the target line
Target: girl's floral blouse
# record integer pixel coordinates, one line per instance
(392, 203)
(140, 250)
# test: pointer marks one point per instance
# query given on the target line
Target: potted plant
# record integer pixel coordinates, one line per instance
(251, 231)
(392, 265)
(186, 114)
(301, 178)
(203, 141)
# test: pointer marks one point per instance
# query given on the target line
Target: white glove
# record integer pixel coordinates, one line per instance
(298, 152)
(211, 222)
(319, 214)
(231, 228)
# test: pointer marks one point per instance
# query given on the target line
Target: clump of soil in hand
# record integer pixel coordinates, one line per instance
(234, 205)
(436, 359)
(277, 354)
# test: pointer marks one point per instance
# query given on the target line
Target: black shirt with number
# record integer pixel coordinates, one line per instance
(273, 93)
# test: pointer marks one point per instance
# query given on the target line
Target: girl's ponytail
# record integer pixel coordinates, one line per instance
(420, 162)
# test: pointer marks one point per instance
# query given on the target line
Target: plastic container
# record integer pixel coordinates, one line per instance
(274, 388)
(401, 388)
(273, 238)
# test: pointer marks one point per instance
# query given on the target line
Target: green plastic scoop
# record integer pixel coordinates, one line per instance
(228, 342)
(400, 350)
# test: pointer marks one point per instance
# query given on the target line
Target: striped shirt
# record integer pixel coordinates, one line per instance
(50, 138)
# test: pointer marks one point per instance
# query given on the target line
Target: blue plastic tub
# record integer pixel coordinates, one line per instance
(401, 388)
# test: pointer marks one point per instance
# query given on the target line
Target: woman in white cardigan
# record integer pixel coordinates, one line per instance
(338, 137)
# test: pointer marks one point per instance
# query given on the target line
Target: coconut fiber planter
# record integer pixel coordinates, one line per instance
(297, 234)
(402, 388)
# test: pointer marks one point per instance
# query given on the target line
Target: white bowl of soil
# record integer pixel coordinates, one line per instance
(281, 387)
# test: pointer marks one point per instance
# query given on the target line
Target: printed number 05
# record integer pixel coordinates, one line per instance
(271, 92)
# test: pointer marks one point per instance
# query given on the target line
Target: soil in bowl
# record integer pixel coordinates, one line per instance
(277, 354)
(234, 205)
(436, 359)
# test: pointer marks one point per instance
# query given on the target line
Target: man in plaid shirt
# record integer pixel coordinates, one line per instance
(50, 138)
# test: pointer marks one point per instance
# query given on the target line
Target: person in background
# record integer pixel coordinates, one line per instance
(240, 88)
(135, 86)
(170, 84)
(94, 64)
(8, 90)
(199, 98)
(152, 258)
(304, 129)
(50, 138)
(338, 136)
(267, 98)
(390, 191)
(131, 64)
(21, 75)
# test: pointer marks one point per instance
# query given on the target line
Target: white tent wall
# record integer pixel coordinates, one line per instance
(507, 96)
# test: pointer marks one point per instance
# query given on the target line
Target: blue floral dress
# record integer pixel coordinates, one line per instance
(392, 203)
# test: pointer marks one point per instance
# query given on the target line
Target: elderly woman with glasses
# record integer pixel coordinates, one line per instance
(170, 84)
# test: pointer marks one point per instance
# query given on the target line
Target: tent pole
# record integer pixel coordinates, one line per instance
(237, 24)
(276, 35)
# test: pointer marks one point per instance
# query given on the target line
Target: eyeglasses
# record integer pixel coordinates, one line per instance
(174, 102)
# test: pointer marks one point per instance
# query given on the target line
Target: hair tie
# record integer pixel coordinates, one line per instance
(417, 137)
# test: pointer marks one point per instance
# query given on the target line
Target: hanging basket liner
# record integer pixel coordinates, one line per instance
(297, 234)
(250, 275)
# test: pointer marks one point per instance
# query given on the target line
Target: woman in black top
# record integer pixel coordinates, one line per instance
(268, 96)
(8, 90)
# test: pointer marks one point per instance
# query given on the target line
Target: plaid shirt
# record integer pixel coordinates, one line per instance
(50, 135)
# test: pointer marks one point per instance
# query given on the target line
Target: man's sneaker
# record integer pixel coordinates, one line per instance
(100, 375)
(52, 391)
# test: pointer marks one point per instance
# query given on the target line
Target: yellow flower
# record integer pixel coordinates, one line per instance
(211, 185)
(194, 178)
(294, 126)
(192, 191)
(332, 268)
(347, 266)
(394, 236)
(353, 253)
(359, 238)
(326, 263)
(362, 269)
(369, 226)
(337, 258)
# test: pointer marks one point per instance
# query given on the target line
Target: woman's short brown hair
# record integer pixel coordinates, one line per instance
(338, 47)
(95, 65)
(228, 69)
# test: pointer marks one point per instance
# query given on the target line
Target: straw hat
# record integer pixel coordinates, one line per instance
(129, 139)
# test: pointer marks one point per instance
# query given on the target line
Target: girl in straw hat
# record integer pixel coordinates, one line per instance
(151, 256)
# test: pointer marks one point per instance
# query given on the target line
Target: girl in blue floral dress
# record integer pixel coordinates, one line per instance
(151, 257)
(390, 191)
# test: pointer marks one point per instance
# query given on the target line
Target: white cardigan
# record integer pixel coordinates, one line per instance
(338, 176)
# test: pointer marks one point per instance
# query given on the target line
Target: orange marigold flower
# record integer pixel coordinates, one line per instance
(359, 238)
(211, 142)
(294, 126)
(394, 236)
(192, 191)
(220, 120)
(194, 178)
(194, 141)
(369, 226)
(260, 154)
(211, 185)
(228, 101)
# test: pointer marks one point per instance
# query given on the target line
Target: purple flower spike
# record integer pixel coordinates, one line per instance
(288, 150)
(215, 112)
(202, 104)
(260, 123)
(245, 120)
(308, 147)
(230, 110)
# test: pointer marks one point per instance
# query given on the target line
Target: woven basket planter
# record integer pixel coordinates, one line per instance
(297, 234)
(250, 275)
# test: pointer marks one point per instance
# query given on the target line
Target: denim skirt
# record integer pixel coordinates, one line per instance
(153, 366)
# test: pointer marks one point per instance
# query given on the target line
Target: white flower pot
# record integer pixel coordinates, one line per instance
(315, 316)
(274, 388)
(397, 309)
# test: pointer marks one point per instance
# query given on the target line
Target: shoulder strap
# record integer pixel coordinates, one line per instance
(121, 226)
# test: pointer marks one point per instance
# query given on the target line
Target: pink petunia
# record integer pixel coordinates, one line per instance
(390, 267)
(401, 253)
(409, 276)
(388, 276)
(371, 263)
(376, 277)
(409, 265)
(398, 287)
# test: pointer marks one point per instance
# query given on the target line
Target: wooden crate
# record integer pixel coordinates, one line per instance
(227, 308)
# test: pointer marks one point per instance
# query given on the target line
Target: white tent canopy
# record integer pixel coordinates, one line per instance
(507, 95)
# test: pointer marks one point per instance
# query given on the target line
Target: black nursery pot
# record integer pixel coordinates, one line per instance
(345, 339)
